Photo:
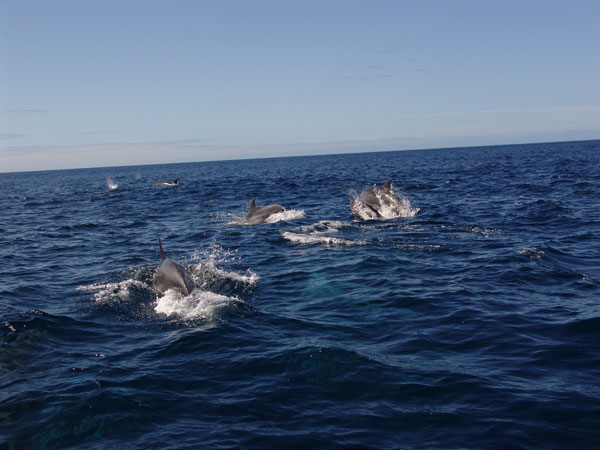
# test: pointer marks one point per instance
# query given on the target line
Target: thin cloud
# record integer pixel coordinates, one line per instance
(375, 71)
(7, 136)
(28, 110)
(95, 133)
(355, 78)
(182, 142)
(27, 158)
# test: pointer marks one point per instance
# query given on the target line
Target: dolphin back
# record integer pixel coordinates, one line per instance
(171, 275)
(259, 215)
(369, 198)
(377, 202)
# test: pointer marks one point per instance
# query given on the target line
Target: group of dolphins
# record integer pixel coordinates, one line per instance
(374, 200)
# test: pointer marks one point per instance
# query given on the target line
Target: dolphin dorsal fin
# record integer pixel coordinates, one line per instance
(387, 186)
(163, 255)
(252, 204)
(176, 181)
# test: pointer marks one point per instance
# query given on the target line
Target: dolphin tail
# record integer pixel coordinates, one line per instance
(163, 255)
(252, 204)
(387, 186)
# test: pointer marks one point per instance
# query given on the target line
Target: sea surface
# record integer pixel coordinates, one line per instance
(470, 321)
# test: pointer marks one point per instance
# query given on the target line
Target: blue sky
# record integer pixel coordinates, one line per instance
(87, 83)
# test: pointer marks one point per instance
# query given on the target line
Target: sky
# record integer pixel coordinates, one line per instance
(86, 83)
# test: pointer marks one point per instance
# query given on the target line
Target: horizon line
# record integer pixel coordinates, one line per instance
(303, 155)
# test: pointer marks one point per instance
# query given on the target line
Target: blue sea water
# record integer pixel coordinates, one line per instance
(471, 322)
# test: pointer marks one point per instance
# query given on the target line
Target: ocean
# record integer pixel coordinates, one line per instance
(469, 321)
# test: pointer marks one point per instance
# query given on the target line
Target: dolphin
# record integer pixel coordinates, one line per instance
(168, 183)
(258, 215)
(379, 202)
(171, 275)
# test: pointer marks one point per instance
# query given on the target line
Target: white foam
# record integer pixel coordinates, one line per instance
(109, 292)
(198, 305)
(318, 238)
(417, 248)
(323, 226)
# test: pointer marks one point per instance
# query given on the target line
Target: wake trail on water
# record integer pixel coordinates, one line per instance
(320, 233)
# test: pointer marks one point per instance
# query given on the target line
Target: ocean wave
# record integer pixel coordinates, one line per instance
(532, 252)
(418, 247)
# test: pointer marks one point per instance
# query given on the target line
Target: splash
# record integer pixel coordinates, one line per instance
(207, 270)
(208, 274)
(111, 185)
(198, 305)
(216, 286)
(391, 208)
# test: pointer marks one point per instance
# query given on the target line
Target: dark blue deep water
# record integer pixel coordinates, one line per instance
(475, 323)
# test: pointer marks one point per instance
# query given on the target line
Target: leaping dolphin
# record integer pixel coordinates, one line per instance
(168, 183)
(171, 275)
(378, 202)
(258, 215)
